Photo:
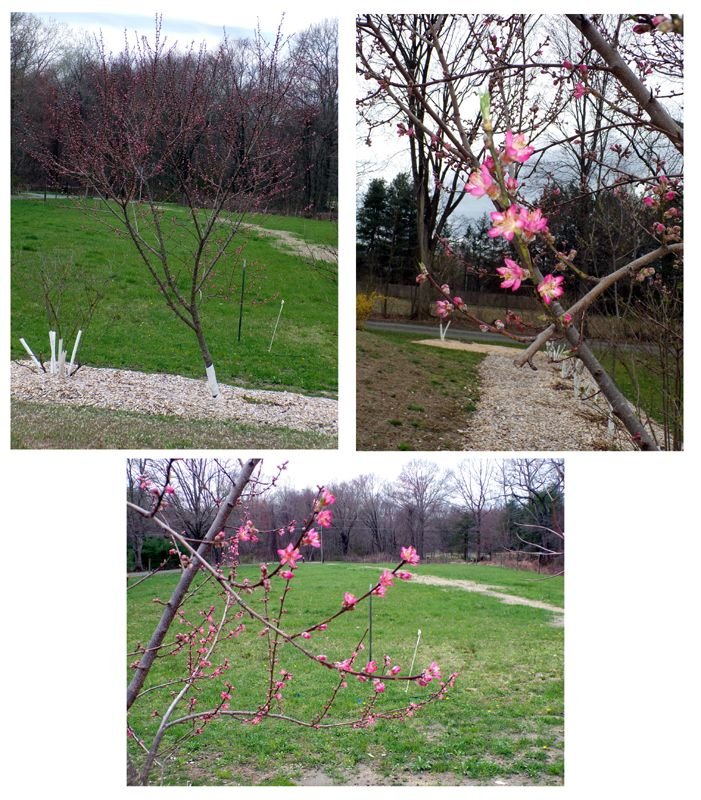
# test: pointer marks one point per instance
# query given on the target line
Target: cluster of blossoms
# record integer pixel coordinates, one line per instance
(580, 88)
(149, 487)
(290, 555)
(247, 532)
(512, 275)
(659, 199)
(197, 641)
(386, 580)
(514, 220)
(659, 23)
(484, 180)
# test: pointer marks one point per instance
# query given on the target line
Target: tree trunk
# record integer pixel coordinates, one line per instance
(204, 349)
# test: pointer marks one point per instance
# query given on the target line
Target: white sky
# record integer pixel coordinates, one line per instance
(326, 468)
(185, 23)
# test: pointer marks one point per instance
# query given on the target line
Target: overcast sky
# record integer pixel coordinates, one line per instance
(322, 468)
(193, 22)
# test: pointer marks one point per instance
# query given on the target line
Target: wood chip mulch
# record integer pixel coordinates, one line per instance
(173, 395)
(525, 409)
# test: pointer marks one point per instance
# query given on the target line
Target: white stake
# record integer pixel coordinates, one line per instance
(52, 342)
(411, 668)
(442, 331)
(75, 350)
(31, 355)
(282, 303)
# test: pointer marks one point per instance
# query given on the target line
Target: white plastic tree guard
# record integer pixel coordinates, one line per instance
(212, 380)
(57, 364)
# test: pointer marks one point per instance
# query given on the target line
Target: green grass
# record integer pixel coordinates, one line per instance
(45, 426)
(639, 381)
(503, 719)
(547, 589)
(133, 328)
(313, 231)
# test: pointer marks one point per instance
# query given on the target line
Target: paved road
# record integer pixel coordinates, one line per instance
(431, 331)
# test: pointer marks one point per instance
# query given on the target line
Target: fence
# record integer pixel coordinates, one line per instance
(486, 299)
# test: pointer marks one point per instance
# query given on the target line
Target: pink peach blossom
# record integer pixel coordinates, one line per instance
(323, 518)
(444, 308)
(551, 288)
(516, 149)
(481, 183)
(387, 578)
(533, 223)
(289, 555)
(409, 555)
(311, 538)
(512, 275)
(326, 499)
(506, 223)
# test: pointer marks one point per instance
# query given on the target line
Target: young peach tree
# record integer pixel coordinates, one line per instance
(177, 147)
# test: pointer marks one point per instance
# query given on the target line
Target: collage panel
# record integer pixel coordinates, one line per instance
(519, 232)
(174, 231)
(286, 621)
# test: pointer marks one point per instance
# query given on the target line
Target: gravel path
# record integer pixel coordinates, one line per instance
(525, 409)
(127, 390)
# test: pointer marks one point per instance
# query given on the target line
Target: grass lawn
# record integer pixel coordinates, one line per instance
(637, 376)
(132, 326)
(45, 426)
(412, 397)
(314, 231)
(503, 721)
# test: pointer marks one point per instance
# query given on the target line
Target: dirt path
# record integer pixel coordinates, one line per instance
(490, 591)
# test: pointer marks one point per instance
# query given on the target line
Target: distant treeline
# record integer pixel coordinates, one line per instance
(50, 63)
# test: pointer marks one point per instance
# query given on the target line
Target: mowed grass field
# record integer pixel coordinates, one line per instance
(132, 327)
(502, 722)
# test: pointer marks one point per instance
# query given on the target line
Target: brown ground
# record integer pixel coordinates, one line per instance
(410, 397)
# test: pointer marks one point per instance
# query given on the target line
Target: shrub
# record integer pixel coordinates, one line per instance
(364, 305)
